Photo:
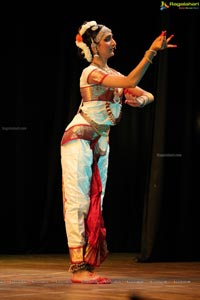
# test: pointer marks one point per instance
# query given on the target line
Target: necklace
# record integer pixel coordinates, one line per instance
(106, 68)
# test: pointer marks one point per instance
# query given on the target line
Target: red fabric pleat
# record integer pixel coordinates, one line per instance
(96, 249)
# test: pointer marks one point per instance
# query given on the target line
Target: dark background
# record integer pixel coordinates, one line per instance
(152, 196)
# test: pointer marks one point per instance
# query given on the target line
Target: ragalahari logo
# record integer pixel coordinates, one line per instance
(164, 5)
(179, 5)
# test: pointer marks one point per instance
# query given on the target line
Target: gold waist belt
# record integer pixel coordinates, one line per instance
(102, 130)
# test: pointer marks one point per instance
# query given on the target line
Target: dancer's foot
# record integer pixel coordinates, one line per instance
(84, 276)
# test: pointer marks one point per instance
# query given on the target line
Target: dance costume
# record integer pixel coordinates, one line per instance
(84, 161)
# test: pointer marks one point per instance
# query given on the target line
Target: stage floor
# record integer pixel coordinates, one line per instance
(46, 277)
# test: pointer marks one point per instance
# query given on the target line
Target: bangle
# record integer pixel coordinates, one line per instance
(153, 51)
(148, 59)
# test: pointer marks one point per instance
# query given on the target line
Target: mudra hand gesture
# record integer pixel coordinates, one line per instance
(162, 42)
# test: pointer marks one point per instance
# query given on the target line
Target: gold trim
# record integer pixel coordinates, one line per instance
(102, 130)
(110, 114)
(76, 255)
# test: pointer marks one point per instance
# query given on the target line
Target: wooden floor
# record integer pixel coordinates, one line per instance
(46, 277)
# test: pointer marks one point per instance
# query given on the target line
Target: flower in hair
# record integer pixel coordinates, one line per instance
(86, 26)
(79, 38)
(85, 50)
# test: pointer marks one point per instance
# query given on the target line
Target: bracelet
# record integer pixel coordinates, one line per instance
(153, 51)
(148, 59)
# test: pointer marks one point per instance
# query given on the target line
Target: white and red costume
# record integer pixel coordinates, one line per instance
(84, 161)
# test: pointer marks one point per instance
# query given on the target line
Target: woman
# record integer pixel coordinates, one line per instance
(85, 144)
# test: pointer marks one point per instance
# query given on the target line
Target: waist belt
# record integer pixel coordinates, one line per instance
(102, 130)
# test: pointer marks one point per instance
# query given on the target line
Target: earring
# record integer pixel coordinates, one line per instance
(94, 47)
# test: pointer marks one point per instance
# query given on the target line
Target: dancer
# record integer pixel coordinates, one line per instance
(85, 144)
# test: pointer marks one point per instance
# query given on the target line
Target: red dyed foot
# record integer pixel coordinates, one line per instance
(89, 278)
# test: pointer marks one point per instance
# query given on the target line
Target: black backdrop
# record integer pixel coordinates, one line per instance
(151, 202)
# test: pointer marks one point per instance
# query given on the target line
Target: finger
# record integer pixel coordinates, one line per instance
(163, 33)
(171, 46)
(163, 39)
(170, 37)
